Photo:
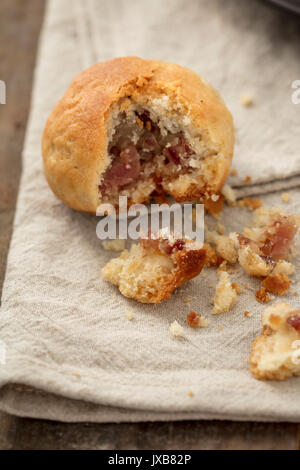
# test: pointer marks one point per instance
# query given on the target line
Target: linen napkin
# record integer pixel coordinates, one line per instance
(71, 352)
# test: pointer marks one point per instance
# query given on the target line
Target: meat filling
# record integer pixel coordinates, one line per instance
(139, 151)
(163, 245)
(279, 237)
(294, 320)
(277, 241)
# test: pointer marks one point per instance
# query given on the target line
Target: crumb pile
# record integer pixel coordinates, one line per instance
(152, 269)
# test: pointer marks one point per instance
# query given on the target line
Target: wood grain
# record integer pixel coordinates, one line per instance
(20, 23)
(185, 435)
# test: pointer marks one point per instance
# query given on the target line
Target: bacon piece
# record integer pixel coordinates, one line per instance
(172, 154)
(125, 169)
(162, 244)
(170, 247)
(178, 151)
(280, 236)
(149, 143)
(294, 321)
(193, 319)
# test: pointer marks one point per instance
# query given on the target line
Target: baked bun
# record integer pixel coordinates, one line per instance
(155, 267)
(137, 128)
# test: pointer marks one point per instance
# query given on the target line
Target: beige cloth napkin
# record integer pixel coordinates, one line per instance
(71, 353)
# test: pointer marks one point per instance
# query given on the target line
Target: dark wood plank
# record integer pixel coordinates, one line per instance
(8, 426)
(20, 23)
(34, 434)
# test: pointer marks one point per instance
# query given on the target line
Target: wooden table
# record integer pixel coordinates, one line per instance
(20, 23)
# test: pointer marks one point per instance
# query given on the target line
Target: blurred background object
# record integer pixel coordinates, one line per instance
(292, 5)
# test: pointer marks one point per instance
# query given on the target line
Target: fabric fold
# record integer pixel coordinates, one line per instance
(71, 353)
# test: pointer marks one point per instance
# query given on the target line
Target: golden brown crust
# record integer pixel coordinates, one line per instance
(188, 265)
(256, 349)
(74, 143)
(276, 283)
(262, 296)
(151, 276)
(212, 259)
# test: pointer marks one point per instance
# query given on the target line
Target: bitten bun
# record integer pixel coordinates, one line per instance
(154, 268)
(137, 128)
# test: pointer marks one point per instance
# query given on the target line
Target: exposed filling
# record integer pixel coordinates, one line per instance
(294, 320)
(277, 239)
(140, 151)
(163, 244)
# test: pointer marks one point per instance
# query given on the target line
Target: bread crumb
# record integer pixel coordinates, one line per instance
(295, 294)
(211, 236)
(233, 172)
(187, 299)
(221, 228)
(223, 266)
(256, 246)
(277, 284)
(225, 296)
(211, 257)
(214, 207)
(247, 180)
(246, 100)
(196, 320)
(293, 253)
(129, 314)
(283, 267)
(225, 248)
(191, 394)
(114, 245)
(220, 328)
(247, 314)
(285, 197)
(250, 203)
(76, 374)
(229, 194)
(238, 288)
(252, 263)
(262, 296)
(176, 329)
(140, 123)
